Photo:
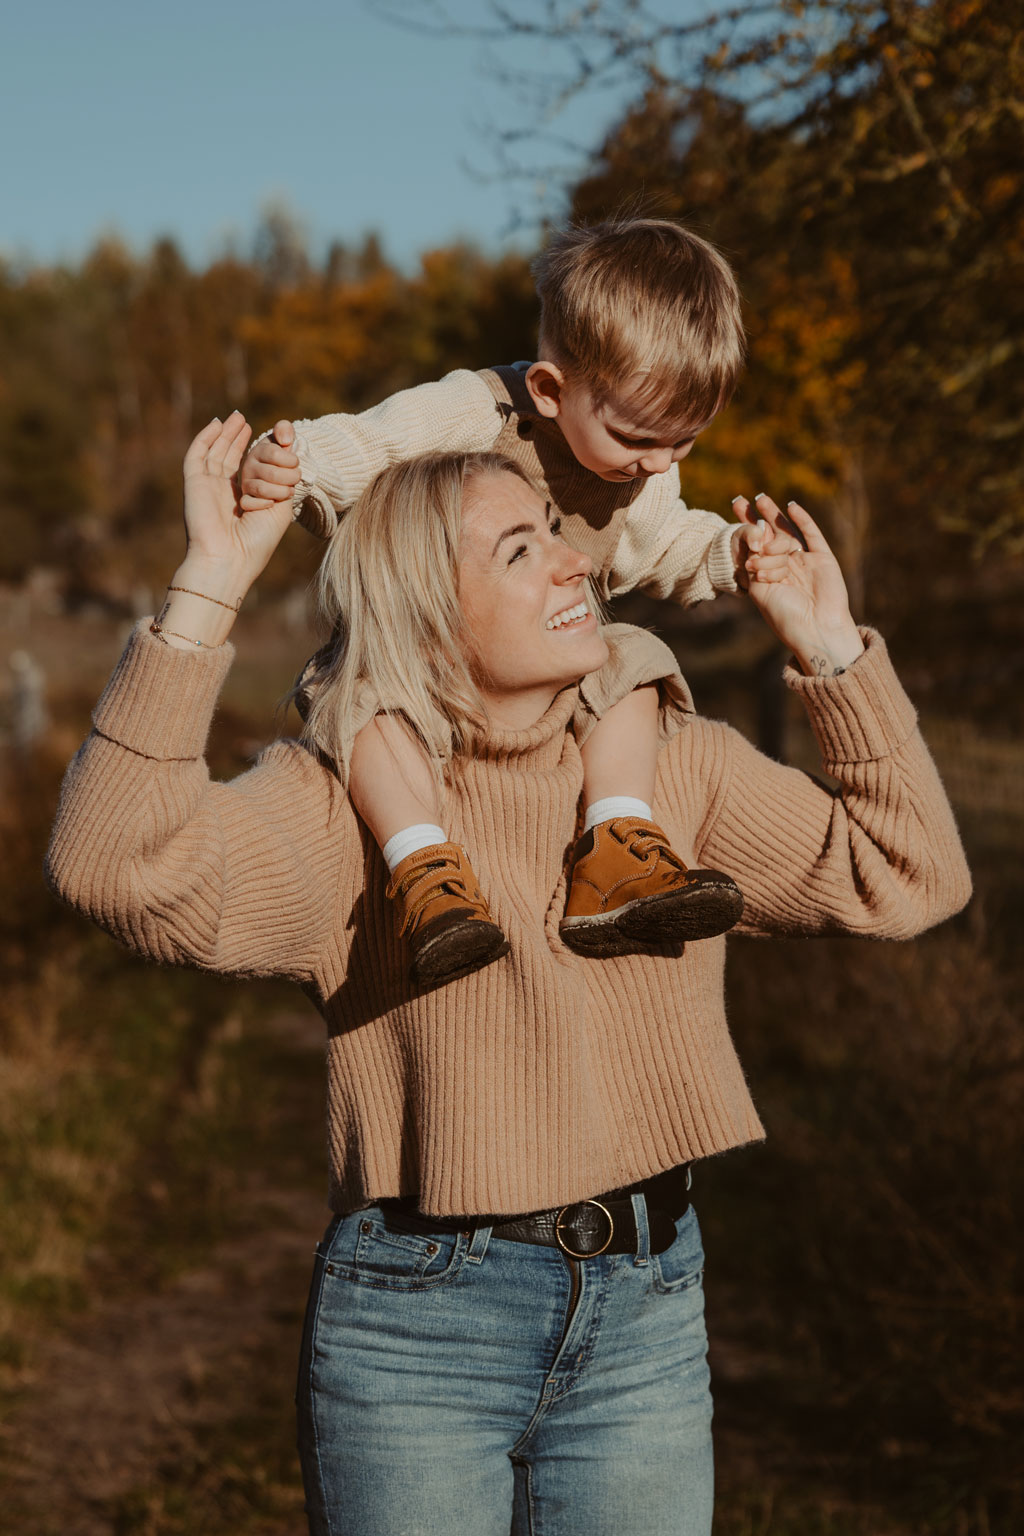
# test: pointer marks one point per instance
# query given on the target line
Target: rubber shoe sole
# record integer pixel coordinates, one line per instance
(699, 911)
(446, 950)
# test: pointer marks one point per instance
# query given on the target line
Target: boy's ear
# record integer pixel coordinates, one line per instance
(545, 381)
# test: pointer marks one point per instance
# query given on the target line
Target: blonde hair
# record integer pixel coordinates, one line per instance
(388, 589)
(643, 300)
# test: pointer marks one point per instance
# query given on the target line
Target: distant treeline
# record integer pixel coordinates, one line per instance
(878, 233)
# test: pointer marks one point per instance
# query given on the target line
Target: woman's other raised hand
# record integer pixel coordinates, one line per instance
(804, 600)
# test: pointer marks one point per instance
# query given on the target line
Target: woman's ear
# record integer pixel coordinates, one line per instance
(545, 381)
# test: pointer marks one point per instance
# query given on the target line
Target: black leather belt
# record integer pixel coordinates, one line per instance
(584, 1228)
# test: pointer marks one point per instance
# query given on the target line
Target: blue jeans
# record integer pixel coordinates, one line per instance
(457, 1384)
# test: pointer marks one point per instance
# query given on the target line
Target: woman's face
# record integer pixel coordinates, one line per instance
(523, 593)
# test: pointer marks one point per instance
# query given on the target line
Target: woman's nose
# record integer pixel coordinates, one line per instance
(575, 564)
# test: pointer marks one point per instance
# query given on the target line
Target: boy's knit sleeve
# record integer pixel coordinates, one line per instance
(339, 455)
(239, 877)
(878, 856)
(670, 550)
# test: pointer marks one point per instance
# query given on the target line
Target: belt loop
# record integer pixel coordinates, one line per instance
(643, 1236)
(478, 1245)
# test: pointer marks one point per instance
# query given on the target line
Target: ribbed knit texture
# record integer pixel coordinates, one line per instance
(545, 1077)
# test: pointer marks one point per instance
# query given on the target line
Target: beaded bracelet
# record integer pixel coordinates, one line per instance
(157, 629)
(231, 607)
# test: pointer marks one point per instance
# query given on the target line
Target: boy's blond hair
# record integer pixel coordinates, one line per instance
(388, 589)
(647, 311)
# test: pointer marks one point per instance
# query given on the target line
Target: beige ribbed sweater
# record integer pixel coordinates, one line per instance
(546, 1077)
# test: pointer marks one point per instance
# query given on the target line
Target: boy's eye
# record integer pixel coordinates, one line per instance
(556, 526)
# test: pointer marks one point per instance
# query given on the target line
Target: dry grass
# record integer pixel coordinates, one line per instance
(864, 1268)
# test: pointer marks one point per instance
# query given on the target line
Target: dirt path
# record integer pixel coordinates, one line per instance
(169, 1408)
(141, 1387)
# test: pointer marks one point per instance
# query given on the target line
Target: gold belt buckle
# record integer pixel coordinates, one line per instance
(573, 1254)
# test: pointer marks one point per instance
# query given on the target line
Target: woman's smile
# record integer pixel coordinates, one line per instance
(524, 597)
(573, 617)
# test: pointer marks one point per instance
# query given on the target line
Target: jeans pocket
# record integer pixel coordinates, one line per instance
(682, 1265)
(373, 1248)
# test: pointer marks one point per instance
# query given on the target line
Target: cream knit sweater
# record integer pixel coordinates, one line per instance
(546, 1077)
(664, 547)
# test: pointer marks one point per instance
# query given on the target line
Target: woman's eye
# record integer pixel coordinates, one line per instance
(516, 553)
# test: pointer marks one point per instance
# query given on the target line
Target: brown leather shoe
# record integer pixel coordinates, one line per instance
(628, 886)
(444, 916)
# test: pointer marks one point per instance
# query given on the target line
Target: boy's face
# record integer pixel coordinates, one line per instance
(608, 439)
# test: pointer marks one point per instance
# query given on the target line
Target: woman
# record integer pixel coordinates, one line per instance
(505, 1328)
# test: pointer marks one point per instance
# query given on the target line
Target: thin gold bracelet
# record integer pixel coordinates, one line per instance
(231, 607)
(157, 629)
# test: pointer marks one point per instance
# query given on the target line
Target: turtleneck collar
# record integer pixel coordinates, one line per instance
(538, 746)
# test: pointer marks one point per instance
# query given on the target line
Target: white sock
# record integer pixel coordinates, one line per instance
(411, 840)
(615, 805)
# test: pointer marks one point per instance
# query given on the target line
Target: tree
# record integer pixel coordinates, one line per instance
(859, 161)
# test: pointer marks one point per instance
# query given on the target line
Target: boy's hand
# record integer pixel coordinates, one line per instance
(271, 471)
(760, 551)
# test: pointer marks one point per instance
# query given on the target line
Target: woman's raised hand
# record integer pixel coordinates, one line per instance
(805, 601)
(216, 527)
(227, 548)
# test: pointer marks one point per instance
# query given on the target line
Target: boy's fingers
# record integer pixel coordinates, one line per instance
(259, 469)
(255, 504)
(268, 452)
(284, 433)
(776, 564)
(267, 490)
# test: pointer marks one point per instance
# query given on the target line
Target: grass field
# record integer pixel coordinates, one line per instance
(162, 1177)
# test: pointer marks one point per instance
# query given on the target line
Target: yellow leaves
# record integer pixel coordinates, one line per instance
(999, 189)
(790, 425)
(312, 337)
(962, 15)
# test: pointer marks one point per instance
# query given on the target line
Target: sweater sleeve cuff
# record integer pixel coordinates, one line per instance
(311, 502)
(861, 715)
(159, 700)
(721, 563)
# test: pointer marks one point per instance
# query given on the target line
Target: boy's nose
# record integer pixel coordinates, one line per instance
(656, 461)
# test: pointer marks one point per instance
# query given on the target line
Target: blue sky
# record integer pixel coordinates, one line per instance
(187, 118)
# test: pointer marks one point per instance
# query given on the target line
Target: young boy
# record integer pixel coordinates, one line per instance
(641, 344)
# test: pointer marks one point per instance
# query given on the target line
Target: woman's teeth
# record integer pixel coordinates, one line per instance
(568, 616)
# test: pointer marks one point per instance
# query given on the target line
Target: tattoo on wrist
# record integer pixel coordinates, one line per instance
(819, 668)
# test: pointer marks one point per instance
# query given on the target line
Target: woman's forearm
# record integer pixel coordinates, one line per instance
(827, 654)
(202, 603)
